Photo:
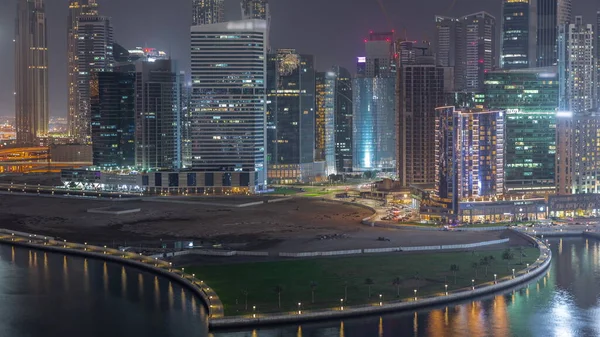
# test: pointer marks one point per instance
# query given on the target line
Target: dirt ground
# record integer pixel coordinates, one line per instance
(296, 225)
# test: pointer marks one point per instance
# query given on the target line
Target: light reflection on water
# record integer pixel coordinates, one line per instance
(562, 303)
(53, 295)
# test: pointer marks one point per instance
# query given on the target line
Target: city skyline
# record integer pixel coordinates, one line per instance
(169, 31)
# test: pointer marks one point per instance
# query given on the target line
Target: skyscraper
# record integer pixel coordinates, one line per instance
(228, 103)
(576, 66)
(158, 115)
(551, 14)
(94, 55)
(469, 45)
(255, 9)
(343, 120)
(31, 73)
(530, 99)
(374, 105)
(325, 120)
(112, 98)
(291, 117)
(206, 12)
(469, 156)
(76, 9)
(516, 17)
(423, 87)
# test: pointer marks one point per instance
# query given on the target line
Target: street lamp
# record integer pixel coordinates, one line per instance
(415, 294)
(513, 273)
(380, 300)
(299, 308)
(495, 278)
(528, 268)
(446, 286)
(341, 304)
(473, 284)
(253, 311)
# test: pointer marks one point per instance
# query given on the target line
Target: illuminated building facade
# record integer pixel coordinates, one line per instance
(374, 106)
(227, 121)
(518, 42)
(31, 73)
(551, 14)
(94, 55)
(530, 99)
(255, 9)
(206, 12)
(291, 136)
(343, 120)
(469, 155)
(325, 120)
(578, 157)
(112, 98)
(158, 115)
(76, 9)
(576, 66)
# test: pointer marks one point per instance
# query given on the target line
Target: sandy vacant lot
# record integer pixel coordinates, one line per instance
(296, 225)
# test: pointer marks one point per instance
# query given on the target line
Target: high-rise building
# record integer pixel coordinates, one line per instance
(469, 155)
(578, 153)
(291, 120)
(597, 55)
(576, 66)
(255, 9)
(112, 98)
(228, 103)
(517, 49)
(374, 105)
(530, 99)
(206, 12)
(94, 55)
(158, 115)
(343, 120)
(423, 87)
(31, 73)
(325, 120)
(469, 45)
(551, 14)
(76, 10)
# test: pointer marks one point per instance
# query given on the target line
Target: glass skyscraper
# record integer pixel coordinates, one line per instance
(343, 120)
(516, 35)
(551, 14)
(325, 120)
(530, 99)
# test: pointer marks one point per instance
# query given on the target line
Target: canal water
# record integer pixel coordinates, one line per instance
(53, 295)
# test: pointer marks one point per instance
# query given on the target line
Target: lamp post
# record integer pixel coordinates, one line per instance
(341, 304)
(473, 284)
(446, 286)
(415, 294)
(380, 299)
(513, 273)
(528, 268)
(495, 278)
(253, 311)
(299, 308)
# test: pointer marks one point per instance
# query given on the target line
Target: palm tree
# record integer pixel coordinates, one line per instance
(369, 282)
(278, 289)
(245, 293)
(397, 282)
(313, 287)
(454, 268)
(485, 262)
(475, 265)
(345, 290)
(508, 255)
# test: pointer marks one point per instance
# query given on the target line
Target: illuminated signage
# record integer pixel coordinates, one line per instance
(362, 59)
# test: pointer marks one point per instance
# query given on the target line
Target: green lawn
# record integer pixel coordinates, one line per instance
(427, 272)
(285, 190)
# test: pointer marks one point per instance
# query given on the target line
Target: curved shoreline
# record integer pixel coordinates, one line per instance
(523, 276)
(207, 295)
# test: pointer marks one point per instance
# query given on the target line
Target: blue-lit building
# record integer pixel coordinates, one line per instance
(113, 119)
(374, 105)
(343, 120)
(517, 51)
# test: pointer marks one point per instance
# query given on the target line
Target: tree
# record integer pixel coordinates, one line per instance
(485, 262)
(313, 287)
(454, 268)
(345, 290)
(245, 293)
(369, 282)
(397, 282)
(521, 254)
(508, 255)
(278, 289)
(475, 265)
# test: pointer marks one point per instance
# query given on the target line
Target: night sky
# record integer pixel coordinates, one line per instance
(332, 30)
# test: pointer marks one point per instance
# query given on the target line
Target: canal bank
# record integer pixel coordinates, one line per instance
(200, 289)
(257, 319)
